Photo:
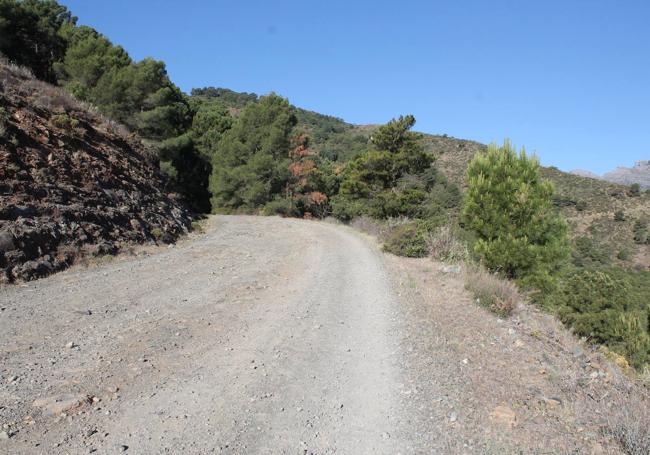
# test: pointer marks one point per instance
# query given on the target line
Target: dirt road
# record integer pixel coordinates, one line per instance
(262, 336)
(278, 336)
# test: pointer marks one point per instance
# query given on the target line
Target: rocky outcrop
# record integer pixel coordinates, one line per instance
(71, 183)
(640, 174)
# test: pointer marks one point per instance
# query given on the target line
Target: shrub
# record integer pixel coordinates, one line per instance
(635, 190)
(444, 245)
(198, 226)
(491, 291)
(581, 206)
(640, 232)
(629, 424)
(64, 121)
(608, 306)
(619, 215)
(280, 206)
(624, 254)
(408, 239)
(157, 233)
(588, 252)
(509, 208)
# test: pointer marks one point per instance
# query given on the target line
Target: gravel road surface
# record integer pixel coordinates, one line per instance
(282, 336)
(263, 335)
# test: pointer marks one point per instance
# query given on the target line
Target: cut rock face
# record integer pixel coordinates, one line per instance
(83, 191)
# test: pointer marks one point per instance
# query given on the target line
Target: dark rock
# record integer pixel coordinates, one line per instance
(6, 242)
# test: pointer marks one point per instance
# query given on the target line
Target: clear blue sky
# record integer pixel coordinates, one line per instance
(568, 79)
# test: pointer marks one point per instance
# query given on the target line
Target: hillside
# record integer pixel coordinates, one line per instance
(588, 204)
(72, 183)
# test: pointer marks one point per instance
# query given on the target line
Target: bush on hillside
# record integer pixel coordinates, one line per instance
(640, 232)
(444, 245)
(619, 215)
(408, 239)
(587, 252)
(635, 190)
(491, 291)
(607, 306)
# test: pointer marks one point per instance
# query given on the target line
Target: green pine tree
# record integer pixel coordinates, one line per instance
(251, 162)
(509, 208)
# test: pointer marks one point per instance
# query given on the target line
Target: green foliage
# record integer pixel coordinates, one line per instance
(408, 239)
(624, 254)
(64, 121)
(509, 208)
(211, 120)
(619, 215)
(388, 181)
(227, 97)
(281, 206)
(188, 171)
(635, 190)
(587, 252)
(30, 34)
(641, 232)
(581, 206)
(608, 306)
(250, 165)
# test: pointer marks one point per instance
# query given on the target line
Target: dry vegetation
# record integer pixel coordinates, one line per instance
(499, 295)
(17, 82)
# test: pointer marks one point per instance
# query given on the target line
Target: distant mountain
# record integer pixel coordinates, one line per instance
(640, 174)
(585, 173)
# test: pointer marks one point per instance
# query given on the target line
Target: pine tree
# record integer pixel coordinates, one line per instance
(251, 163)
(509, 208)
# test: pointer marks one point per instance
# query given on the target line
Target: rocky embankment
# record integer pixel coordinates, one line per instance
(72, 183)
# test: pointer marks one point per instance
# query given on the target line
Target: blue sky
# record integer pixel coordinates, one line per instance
(569, 79)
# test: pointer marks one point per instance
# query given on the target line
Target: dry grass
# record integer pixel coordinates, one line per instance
(369, 226)
(629, 425)
(445, 246)
(19, 82)
(499, 295)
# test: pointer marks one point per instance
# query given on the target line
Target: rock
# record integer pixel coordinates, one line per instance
(70, 345)
(4, 435)
(385, 435)
(6, 242)
(578, 352)
(504, 416)
(552, 402)
(58, 404)
(453, 417)
(450, 269)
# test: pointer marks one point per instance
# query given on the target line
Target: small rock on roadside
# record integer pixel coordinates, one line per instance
(450, 269)
(504, 415)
